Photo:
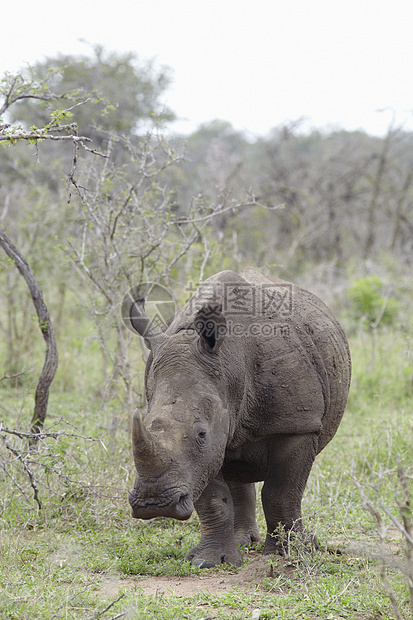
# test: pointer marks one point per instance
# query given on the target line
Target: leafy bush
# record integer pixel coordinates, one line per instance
(371, 302)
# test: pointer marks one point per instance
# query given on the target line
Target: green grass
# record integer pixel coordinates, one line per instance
(56, 561)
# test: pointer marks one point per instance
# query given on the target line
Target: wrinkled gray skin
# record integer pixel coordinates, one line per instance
(226, 409)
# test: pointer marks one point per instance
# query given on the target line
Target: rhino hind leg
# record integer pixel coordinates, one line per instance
(216, 513)
(291, 459)
(245, 526)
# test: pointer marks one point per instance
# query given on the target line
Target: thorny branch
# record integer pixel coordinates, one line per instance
(24, 371)
(34, 136)
(405, 511)
(397, 523)
(45, 435)
(78, 141)
(22, 459)
(95, 616)
(19, 89)
(16, 92)
(13, 479)
(30, 461)
(222, 208)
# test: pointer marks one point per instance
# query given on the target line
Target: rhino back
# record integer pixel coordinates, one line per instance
(286, 366)
(309, 359)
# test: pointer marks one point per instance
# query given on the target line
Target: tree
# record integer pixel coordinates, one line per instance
(132, 234)
(45, 324)
(126, 93)
(15, 89)
(125, 228)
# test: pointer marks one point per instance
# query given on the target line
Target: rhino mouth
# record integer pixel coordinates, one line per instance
(180, 506)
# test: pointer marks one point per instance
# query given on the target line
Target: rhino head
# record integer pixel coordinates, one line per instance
(180, 444)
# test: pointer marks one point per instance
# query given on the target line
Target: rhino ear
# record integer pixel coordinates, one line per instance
(211, 326)
(135, 318)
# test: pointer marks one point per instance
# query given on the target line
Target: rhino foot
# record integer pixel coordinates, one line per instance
(207, 556)
(247, 538)
(215, 509)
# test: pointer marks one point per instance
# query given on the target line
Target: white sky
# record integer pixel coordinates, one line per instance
(255, 63)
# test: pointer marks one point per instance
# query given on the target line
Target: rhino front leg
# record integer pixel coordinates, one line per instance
(291, 459)
(245, 501)
(216, 513)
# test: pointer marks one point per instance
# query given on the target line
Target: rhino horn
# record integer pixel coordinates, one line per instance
(134, 315)
(143, 447)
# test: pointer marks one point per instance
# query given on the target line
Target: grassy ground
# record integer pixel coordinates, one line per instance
(82, 556)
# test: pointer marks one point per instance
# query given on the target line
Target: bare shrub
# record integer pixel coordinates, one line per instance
(404, 524)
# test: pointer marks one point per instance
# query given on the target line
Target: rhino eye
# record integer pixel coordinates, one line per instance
(201, 436)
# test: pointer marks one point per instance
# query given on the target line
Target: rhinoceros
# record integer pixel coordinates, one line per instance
(248, 382)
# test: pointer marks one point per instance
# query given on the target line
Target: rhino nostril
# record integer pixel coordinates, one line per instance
(183, 498)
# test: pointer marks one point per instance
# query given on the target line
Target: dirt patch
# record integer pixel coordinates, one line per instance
(249, 578)
(394, 545)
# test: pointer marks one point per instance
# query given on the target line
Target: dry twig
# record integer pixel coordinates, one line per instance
(95, 616)
(406, 529)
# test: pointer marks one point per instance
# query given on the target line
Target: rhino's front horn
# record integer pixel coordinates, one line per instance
(144, 452)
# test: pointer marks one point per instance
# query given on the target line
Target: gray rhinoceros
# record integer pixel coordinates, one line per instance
(247, 383)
